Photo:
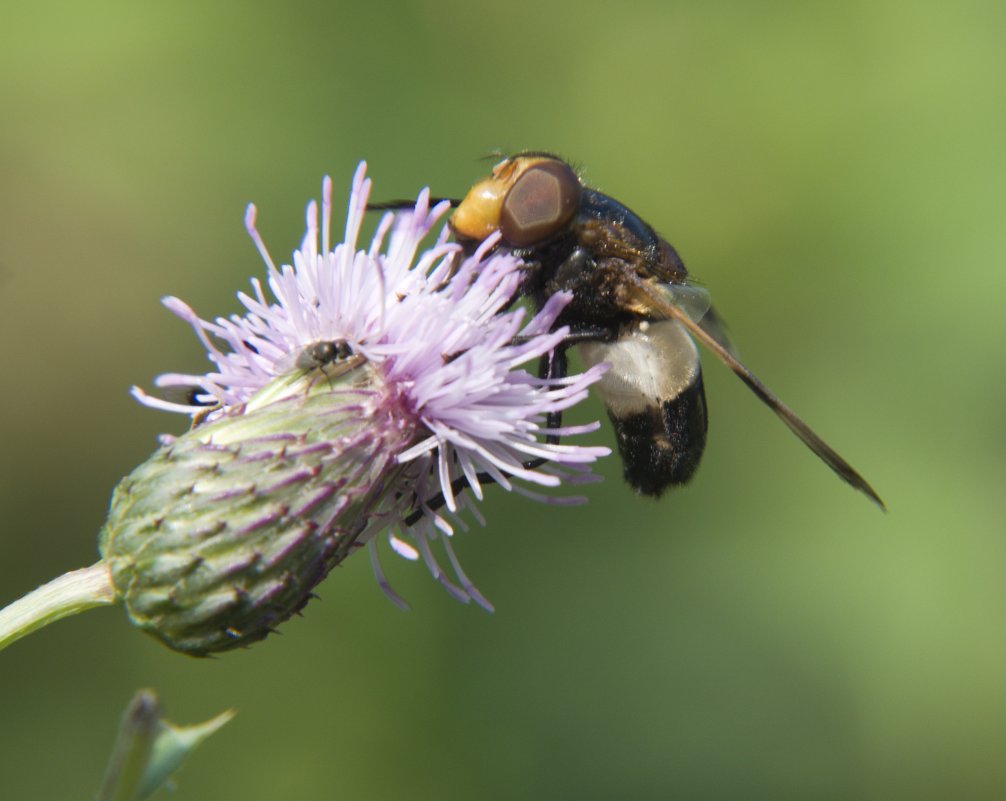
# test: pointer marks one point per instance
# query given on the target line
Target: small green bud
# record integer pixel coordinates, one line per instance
(223, 533)
(150, 749)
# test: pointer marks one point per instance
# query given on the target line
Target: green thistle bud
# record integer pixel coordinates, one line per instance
(222, 534)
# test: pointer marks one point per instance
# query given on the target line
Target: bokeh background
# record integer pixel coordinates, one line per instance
(833, 171)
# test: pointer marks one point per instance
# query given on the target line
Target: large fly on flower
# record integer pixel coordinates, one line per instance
(361, 390)
(633, 307)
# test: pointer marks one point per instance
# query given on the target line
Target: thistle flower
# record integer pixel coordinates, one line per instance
(376, 391)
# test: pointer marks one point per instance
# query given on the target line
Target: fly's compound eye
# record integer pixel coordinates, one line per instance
(539, 204)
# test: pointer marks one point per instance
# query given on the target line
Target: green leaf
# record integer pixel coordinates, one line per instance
(149, 749)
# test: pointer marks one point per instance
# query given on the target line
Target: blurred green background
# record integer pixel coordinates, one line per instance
(834, 172)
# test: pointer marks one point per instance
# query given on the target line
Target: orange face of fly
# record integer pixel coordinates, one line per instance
(528, 199)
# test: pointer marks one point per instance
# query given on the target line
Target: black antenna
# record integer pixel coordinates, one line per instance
(402, 205)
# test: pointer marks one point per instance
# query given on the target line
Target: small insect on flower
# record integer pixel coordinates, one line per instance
(320, 354)
(327, 359)
(633, 306)
(330, 416)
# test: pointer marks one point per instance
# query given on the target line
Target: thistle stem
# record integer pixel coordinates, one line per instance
(66, 595)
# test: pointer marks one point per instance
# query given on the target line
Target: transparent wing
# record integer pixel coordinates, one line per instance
(692, 299)
(649, 300)
(695, 301)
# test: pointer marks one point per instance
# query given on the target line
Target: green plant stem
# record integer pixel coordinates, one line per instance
(66, 595)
